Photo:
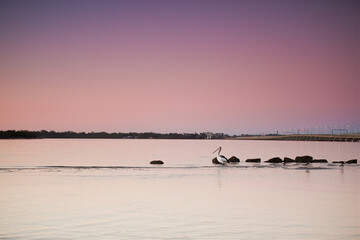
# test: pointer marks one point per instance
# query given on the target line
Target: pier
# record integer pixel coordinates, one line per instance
(306, 137)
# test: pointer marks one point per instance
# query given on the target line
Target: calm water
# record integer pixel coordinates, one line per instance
(106, 189)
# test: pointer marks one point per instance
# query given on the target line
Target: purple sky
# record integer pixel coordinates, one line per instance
(179, 66)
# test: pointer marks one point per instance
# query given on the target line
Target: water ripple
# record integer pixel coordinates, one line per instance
(255, 166)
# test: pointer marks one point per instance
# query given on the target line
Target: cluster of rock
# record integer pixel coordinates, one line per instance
(298, 159)
(352, 161)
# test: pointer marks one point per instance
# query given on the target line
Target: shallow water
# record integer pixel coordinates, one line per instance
(91, 189)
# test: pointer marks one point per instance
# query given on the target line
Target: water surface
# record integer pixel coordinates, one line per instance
(91, 189)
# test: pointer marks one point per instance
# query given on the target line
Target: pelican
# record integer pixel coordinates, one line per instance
(221, 159)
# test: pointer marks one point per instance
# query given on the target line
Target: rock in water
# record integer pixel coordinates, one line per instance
(156, 162)
(320, 161)
(342, 162)
(352, 161)
(304, 159)
(274, 160)
(287, 160)
(233, 159)
(215, 161)
(253, 160)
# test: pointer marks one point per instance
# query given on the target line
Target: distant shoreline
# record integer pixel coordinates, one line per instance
(43, 134)
(351, 137)
(24, 134)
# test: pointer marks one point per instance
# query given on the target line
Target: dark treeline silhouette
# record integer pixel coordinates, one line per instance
(23, 134)
(16, 134)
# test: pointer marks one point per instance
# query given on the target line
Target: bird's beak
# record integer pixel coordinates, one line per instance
(216, 150)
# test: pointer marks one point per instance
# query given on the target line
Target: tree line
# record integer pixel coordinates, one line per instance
(24, 134)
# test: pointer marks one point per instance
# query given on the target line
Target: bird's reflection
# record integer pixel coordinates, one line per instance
(219, 177)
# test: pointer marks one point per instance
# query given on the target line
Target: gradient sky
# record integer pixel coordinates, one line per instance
(179, 66)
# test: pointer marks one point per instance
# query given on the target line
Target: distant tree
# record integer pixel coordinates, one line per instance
(9, 134)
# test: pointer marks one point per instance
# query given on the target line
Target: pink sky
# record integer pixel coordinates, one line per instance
(179, 66)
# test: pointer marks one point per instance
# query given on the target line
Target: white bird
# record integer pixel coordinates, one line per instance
(221, 159)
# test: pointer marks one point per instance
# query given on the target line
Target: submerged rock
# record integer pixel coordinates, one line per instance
(320, 161)
(156, 162)
(274, 160)
(352, 161)
(253, 160)
(287, 160)
(233, 159)
(304, 159)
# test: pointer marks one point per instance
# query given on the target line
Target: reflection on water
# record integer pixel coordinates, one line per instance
(86, 190)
